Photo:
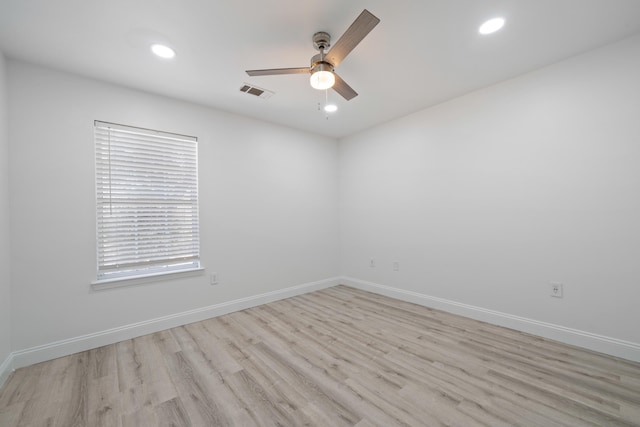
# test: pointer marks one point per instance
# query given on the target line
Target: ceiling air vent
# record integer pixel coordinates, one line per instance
(256, 91)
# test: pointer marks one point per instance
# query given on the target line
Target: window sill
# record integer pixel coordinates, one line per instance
(118, 282)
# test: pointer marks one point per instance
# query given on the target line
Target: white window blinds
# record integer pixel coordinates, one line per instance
(147, 201)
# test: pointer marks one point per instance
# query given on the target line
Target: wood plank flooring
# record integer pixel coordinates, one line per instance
(336, 357)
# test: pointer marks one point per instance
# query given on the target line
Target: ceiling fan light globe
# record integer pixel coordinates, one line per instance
(322, 80)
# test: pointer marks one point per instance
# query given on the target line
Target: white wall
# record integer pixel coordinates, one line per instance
(5, 275)
(268, 198)
(485, 199)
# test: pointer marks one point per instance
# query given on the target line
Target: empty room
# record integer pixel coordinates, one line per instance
(305, 213)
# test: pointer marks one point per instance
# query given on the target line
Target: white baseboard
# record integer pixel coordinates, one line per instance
(612, 346)
(61, 348)
(6, 368)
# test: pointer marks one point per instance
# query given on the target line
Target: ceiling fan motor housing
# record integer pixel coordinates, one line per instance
(319, 63)
(321, 41)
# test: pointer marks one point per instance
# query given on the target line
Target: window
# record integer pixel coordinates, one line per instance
(147, 202)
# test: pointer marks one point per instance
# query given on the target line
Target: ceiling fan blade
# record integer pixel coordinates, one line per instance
(350, 39)
(276, 71)
(343, 88)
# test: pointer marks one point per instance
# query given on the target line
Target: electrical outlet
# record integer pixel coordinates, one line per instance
(556, 290)
(396, 266)
(213, 279)
(372, 263)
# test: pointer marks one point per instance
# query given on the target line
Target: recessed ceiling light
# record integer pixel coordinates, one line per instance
(163, 51)
(330, 108)
(491, 26)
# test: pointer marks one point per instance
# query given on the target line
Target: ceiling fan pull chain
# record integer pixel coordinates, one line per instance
(326, 102)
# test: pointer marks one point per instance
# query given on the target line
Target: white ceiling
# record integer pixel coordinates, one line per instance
(422, 53)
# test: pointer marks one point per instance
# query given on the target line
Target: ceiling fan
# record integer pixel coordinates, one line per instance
(323, 65)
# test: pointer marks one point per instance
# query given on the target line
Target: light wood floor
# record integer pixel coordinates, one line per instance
(337, 357)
